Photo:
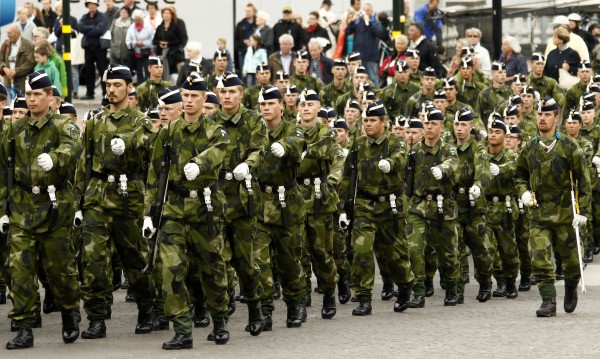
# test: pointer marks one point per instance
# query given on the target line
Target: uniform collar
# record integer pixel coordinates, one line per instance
(466, 145)
(500, 155)
(42, 122)
(235, 118)
(311, 131)
(275, 133)
(191, 127)
(378, 141)
(433, 150)
(120, 114)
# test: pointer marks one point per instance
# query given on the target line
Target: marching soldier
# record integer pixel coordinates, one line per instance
(220, 62)
(37, 155)
(338, 87)
(263, 78)
(211, 104)
(395, 95)
(4, 275)
(301, 78)
(282, 80)
(413, 60)
(468, 87)
(584, 72)
(547, 170)
(352, 115)
(353, 60)
(428, 80)
(545, 86)
(359, 86)
(290, 112)
(110, 188)
(147, 92)
(491, 99)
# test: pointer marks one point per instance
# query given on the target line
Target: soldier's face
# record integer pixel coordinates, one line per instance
(513, 142)
(516, 87)
(351, 116)
(352, 65)
(402, 77)
(527, 100)
(537, 67)
(19, 113)
(271, 110)
(342, 135)
(156, 71)
(301, 66)
(440, 104)
(573, 128)
(339, 72)
(193, 101)
(585, 75)
(359, 78)
(117, 91)
(433, 129)
(170, 112)
(450, 93)
(413, 62)
(291, 100)
(220, 64)
(398, 131)
(495, 136)
(38, 101)
(132, 101)
(511, 120)
(209, 108)
(264, 78)
(374, 126)
(230, 97)
(413, 135)
(55, 103)
(462, 129)
(546, 121)
(587, 116)
(466, 73)
(499, 76)
(282, 85)
(428, 82)
(309, 110)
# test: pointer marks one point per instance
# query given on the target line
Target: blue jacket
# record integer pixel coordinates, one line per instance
(92, 29)
(366, 38)
(429, 31)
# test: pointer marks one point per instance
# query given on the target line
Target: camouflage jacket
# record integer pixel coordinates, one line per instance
(202, 142)
(395, 96)
(501, 186)
(473, 169)
(415, 79)
(490, 100)
(251, 97)
(290, 116)
(547, 176)
(468, 92)
(57, 136)
(589, 136)
(547, 86)
(413, 104)
(147, 93)
(329, 94)
(573, 95)
(341, 101)
(306, 82)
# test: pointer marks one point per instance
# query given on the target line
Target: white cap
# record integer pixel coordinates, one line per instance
(560, 20)
(574, 17)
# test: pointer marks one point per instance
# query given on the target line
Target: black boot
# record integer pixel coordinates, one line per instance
(596, 250)
(220, 334)
(49, 305)
(588, 257)
(570, 298)
(97, 329)
(403, 301)
(548, 308)
(37, 316)
(160, 322)
(511, 289)
(117, 280)
(418, 301)
(70, 328)
(429, 291)
(276, 290)
(179, 341)
(145, 321)
(525, 284)
(231, 304)
(500, 290)
(201, 318)
(24, 339)
(108, 312)
(485, 292)
(129, 297)
(296, 315)
(364, 308)
(451, 299)
(466, 278)
(268, 323)
(308, 301)
(14, 326)
(319, 289)
(328, 311)
(387, 292)
(2, 296)
(460, 298)
(560, 273)
(256, 322)
(344, 293)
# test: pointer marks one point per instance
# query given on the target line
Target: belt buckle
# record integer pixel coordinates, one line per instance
(429, 197)
(229, 176)
(269, 189)
(381, 198)
(307, 181)
(461, 190)
(111, 178)
(193, 194)
(36, 189)
(495, 199)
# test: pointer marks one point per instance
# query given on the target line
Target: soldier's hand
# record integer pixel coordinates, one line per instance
(384, 166)
(45, 161)
(191, 171)
(475, 191)
(148, 228)
(483, 134)
(494, 169)
(4, 221)
(303, 155)
(579, 221)
(278, 149)
(118, 146)
(78, 219)
(437, 173)
(596, 161)
(526, 198)
(241, 171)
(344, 221)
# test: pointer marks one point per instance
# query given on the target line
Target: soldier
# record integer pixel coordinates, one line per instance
(413, 61)
(220, 62)
(110, 188)
(352, 115)
(338, 87)
(518, 83)
(148, 90)
(450, 87)
(320, 197)
(399, 127)
(590, 132)
(211, 104)
(395, 95)
(544, 85)
(584, 72)
(530, 97)
(132, 97)
(373, 183)
(282, 80)
(413, 104)
(301, 78)
(290, 112)
(468, 88)
(547, 170)
(4, 276)
(37, 155)
(432, 217)
(359, 85)
(263, 78)
(512, 117)
(19, 108)
(281, 220)
(491, 99)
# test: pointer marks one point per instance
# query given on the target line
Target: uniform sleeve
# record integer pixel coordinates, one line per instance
(211, 158)
(482, 166)
(398, 157)
(337, 168)
(507, 169)
(154, 170)
(258, 142)
(450, 164)
(582, 175)
(81, 162)
(521, 175)
(294, 144)
(140, 137)
(68, 152)
(323, 149)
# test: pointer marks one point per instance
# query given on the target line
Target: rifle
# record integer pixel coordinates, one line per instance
(410, 177)
(351, 197)
(89, 159)
(575, 207)
(10, 179)
(156, 211)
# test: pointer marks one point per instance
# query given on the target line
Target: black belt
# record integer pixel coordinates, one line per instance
(191, 193)
(115, 178)
(285, 212)
(307, 181)
(271, 188)
(226, 175)
(496, 198)
(41, 189)
(382, 199)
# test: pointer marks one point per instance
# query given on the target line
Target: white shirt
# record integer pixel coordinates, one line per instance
(286, 61)
(14, 50)
(484, 58)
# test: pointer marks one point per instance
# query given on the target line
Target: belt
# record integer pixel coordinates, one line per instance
(40, 189)
(391, 198)
(191, 193)
(307, 181)
(51, 191)
(114, 178)
(271, 188)
(224, 175)
(497, 198)
(318, 182)
(462, 190)
(374, 198)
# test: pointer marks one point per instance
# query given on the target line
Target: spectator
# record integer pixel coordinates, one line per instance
(408, 19)
(17, 61)
(222, 47)
(57, 29)
(119, 52)
(562, 56)
(315, 31)
(32, 13)
(343, 46)
(112, 12)
(575, 28)
(48, 15)
(25, 25)
(131, 5)
(153, 18)
(255, 55)
(282, 60)
(367, 33)
(481, 53)
(93, 25)
(427, 50)
(330, 23)
(430, 16)
(298, 19)
(387, 69)
(194, 54)
(41, 55)
(241, 40)
(40, 34)
(454, 66)
(139, 39)
(576, 42)
(170, 38)
(288, 26)
(264, 31)
(320, 66)
(355, 6)
(513, 60)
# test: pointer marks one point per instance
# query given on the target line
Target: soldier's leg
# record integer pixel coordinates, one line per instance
(159, 302)
(416, 234)
(363, 264)
(117, 270)
(387, 292)
(4, 273)
(232, 280)
(445, 243)
(320, 240)
(24, 282)
(566, 244)
(507, 247)
(340, 258)
(541, 237)
(306, 261)
(463, 253)
(393, 247)
(596, 221)
(497, 271)
(243, 240)
(522, 237)
(193, 283)
(431, 266)
(263, 260)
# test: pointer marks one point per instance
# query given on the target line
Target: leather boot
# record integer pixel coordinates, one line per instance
(570, 298)
(429, 291)
(588, 257)
(49, 305)
(328, 311)
(485, 292)
(293, 319)
(38, 319)
(201, 318)
(308, 302)
(596, 250)
(268, 323)
(418, 301)
(548, 308)
(2, 297)
(256, 322)
(387, 292)
(77, 315)
(560, 273)
(24, 339)
(511, 289)
(231, 304)
(70, 328)
(525, 284)
(117, 280)
(220, 333)
(129, 297)
(319, 289)
(145, 321)
(344, 293)
(451, 299)
(500, 290)
(108, 312)
(460, 298)
(403, 301)
(179, 341)
(160, 322)
(364, 308)
(96, 330)
(276, 290)
(14, 326)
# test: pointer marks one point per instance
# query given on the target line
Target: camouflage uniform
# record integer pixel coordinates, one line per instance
(468, 93)
(589, 136)
(395, 96)
(340, 104)
(448, 134)
(38, 233)
(290, 116)
(251, 97)
(415, 79)
(147, 93)
(413, 104)
(110, 216)
(491, 100)
(547, 86)
(573, 95)
(329, 94)
(306, 82)
(185, 234)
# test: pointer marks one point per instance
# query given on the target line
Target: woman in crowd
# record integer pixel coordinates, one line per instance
(119, 52)
(139, 40)
(344, 43)
(512, 58)
(255, 56)
(264, 31)
(386, 71)
(562, 56)
(153, 18)
(170, 38)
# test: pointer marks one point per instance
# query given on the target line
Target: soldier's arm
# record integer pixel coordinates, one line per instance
(337, 168)
(68, 152)
(482, 166)
(582, 175)
(451, 163)
(322, 149)
(81, 162)
(154, 170)
(212, 158)
(294, 144)
(398, 156)
(140, 137)
(521, 175)
(258, 142)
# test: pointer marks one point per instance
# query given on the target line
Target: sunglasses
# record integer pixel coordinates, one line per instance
(472, 35)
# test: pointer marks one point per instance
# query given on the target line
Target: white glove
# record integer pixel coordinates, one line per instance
(241, 171)
(45, 161)
(579, 221)
(277, 149)
(475, 191)
(344, 221)
(596, 161)
(191, 171)
(118, 146)
(526, 198)
(483, 134)
(4, 224)
(78, 219)
(437, 173)
(494, 169)
(148, 227)
(384, 166)
(303, 155)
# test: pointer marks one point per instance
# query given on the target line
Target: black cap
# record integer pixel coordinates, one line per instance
(302, 55)
(574, 116)
(155, 60)
(211, 97)
(547, 104)
(20, 102)
(7, 111)
(515, 99)
(429, 71)
(229, 79)
(67, 108)
(269, 93)
(170, 95)
(466, 62)
(355, 56)
(498, 66)
(309, 95)
(414, 123)
(412, 53)
(153, 114)
(117, 72)
(262, 67)
(467, 51)
(340, 123)
(463, 114)
(375, 109)
(281, 75)
(495, 121)
(538, 56)
(353, 104)
(511, 110)
(55, 91)
(291, 89)
(37, 80)
(194, 82)
(220, 53)
(440, 95)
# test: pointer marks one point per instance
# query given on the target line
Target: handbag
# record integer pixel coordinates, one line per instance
(565, 79)
(105, 40)
(144, 51)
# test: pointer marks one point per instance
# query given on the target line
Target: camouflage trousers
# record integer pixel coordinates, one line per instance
(99, 230)
(4, 273)
(420, 232)
(474, 235)
(541, 237)
(287, 247)
(378, 236)
(319, 237)
(523, 247)
(594, 233)
(184, 244)
(340, 251)
(504, 250)
(55, 253)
